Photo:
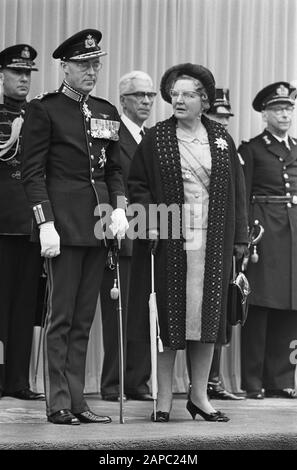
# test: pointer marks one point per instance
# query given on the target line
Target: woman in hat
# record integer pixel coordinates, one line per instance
(188, 163)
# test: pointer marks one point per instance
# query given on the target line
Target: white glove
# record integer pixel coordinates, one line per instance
(49, 240)
(119, 224)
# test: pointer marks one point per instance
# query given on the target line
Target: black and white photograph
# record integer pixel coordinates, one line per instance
(148, 230)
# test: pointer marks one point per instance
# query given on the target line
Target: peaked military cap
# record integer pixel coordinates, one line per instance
(193, 70)
(18, 57)
(221, 105)
(81, 46)
(279, 92)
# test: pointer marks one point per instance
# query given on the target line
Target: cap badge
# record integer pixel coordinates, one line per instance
(224, 95)
(90, 42)
(221, 143)
(282, 91)
(25, 54)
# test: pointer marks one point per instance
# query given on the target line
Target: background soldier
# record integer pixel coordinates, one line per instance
(271, 180)
(137, 96)
(219, 111)
(71, 138)
(20, 261)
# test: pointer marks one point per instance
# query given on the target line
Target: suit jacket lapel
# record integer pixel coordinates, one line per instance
(274, 146)
(292, 156)
(128, 144)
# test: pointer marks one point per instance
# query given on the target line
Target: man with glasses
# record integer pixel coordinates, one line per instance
(136, 96)
(270, 166)
(71, 168)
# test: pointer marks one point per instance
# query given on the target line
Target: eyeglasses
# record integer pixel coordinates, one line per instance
(278, 110)
(141, 95)
(186, 95)
(84, 65)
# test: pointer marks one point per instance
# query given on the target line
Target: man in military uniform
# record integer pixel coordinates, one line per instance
(71, 170)
(137, 96)
(270, 166)
(219, 111)
(20, 261)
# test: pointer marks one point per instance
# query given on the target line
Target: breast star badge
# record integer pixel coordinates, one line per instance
(221, 143)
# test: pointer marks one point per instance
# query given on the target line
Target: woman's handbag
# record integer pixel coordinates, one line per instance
(237, 304)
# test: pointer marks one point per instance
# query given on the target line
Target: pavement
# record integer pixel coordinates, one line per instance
(254, 424)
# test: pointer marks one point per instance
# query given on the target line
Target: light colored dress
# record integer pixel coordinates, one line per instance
(196, 170)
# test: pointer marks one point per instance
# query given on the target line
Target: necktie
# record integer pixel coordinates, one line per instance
(142, 133)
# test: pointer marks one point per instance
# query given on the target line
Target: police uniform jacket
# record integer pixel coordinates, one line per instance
(72, 162)
(15, 213)
(271, 169)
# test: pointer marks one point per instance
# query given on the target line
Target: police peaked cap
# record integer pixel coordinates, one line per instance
(193, 70)
(80, 46)
(18, 57)
(279, 92)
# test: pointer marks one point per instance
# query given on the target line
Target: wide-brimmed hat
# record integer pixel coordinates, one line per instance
(279, 92)
(193, 70)
(81, 46)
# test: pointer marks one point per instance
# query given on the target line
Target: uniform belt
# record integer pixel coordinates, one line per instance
(275, 199)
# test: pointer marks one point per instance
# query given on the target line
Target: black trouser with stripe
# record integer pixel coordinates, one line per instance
(74, 282)
(20, 269)
(265, 349)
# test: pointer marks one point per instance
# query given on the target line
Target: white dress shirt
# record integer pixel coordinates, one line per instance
(133, 128)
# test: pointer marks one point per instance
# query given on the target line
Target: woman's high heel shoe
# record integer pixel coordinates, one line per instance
(215, 416)
(161, 417)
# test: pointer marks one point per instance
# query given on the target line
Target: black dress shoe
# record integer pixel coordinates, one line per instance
(161, 417)
(111, 397)
(214, 416)
(63, 417)
(90, 417)
(216, 391)
(255, 394)
(139, 396)
(26, 394)
(283, 393)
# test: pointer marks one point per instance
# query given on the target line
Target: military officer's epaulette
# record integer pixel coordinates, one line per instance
(46, 94)
(99, 98)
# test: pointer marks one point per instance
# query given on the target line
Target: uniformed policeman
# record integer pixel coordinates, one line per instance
(71, 169)
(270, 166)
(220, 111)
(20, 261)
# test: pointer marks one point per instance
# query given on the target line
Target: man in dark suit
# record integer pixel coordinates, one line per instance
(20, 261)
(270, 167)
(71, 172)
(136, 96)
